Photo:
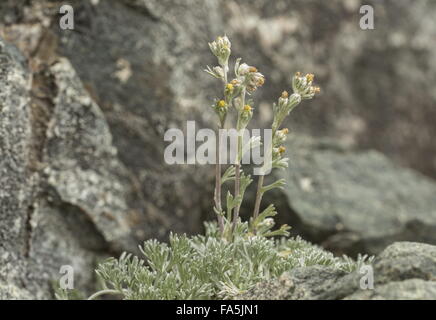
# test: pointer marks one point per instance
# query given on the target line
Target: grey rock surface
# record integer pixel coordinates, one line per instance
(83, 114)
(15, 178)
(412, 289)
(136, 59)
(403, 271)
(60, 203)
(406, 260)
(70, 194)
(82, 164)
(355, 201)
(303, 283)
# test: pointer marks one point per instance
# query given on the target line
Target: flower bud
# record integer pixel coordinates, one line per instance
(303, 85)
(243, 69)
(221, 49)
(218, 71)
(294, 100)
(254, 80)
(221, 104)
(309, 78)
(228, 91)
(246, 115)
(235, 82)
(221, 108)
(280, 137)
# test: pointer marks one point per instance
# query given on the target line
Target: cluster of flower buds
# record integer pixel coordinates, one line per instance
(283, 107)
(221, 49)
(280, 137)
(221, 108)
(278, 152)
(287, 103)
(232, 90)
(303, 89)
(302, 85)
(252, 78)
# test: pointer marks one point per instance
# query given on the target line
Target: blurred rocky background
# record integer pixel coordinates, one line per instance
(83, 113)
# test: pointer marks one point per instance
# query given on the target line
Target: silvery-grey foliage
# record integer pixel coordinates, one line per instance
(208, 267)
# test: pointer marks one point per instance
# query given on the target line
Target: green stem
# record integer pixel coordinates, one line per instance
(238, 165)
(218, 186)
(259, 193)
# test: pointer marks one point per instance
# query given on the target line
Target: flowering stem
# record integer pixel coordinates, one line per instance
(218, 167)
(238, 165)
(218, 183)
(259, 193)
(237, 189)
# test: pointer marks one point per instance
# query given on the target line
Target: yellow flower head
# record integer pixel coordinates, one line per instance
(285, 94)
(229, 86)
(285, 130)
(222, 104)
(282, 149)
(298, 74)
(310, 77)
(252, 69)
(247, 108)
(316, 89)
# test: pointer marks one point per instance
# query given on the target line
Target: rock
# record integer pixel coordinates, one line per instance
(354, 201)
(83, 114)
(404, 270)
(15, 179)
(376, 84)
(146, 76)
(137, 78)
(153, 81)
(146, 79)
(64, 192)
(81, 183)
(406, 260)
(412, 289)
(82, 164)
(303, 283)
